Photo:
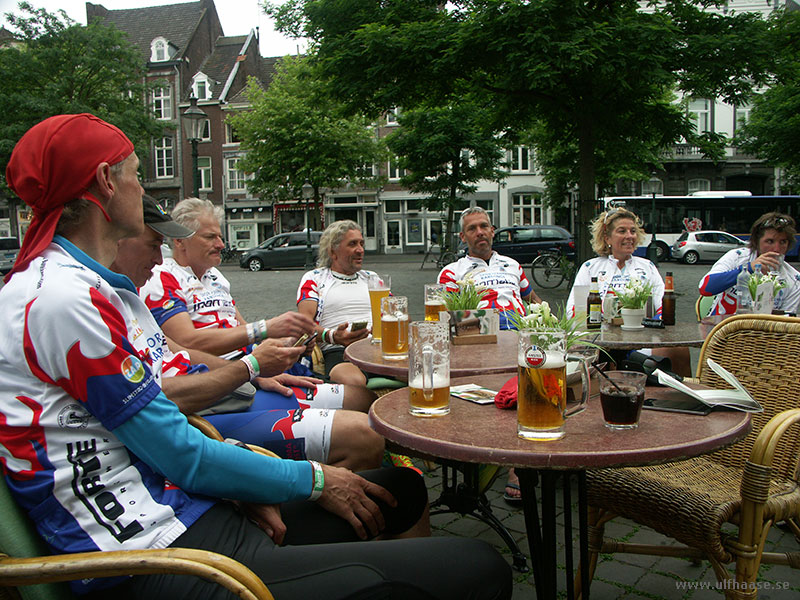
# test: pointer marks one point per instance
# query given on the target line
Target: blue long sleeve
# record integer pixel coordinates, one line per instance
(716, 283)
(162, 437)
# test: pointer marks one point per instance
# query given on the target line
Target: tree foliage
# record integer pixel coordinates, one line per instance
(294, 132)
(446, 150)
(594, 77)
(60, 67)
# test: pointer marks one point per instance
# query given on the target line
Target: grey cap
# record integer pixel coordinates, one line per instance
(157, 219)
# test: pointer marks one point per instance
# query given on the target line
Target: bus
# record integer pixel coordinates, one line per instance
(731, 211)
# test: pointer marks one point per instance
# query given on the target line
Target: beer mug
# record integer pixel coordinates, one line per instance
(394, 327)
(542, 384)
(379, 287)
(429, 368)
(434, 300)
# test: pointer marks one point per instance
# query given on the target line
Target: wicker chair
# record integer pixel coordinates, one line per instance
(752, 484)
(32, 573)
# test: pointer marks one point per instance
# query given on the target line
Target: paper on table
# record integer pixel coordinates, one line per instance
(737, 398)
(474, 393)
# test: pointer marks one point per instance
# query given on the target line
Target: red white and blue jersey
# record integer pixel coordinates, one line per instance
(174, 289)
(720, 281)
(503, 277)
(611, 277)
(68, 377)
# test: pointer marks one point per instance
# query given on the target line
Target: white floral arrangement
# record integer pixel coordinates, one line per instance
(635, 293)
(541, 317)
(756, 279)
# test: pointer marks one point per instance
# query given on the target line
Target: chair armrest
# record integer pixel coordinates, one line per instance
(210, 431)
(211, 566)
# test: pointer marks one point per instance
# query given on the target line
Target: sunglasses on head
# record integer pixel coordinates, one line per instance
(776, 222)
(613, 214)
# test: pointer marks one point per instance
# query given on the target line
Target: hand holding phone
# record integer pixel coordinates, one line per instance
(304, 339)
(358, 325)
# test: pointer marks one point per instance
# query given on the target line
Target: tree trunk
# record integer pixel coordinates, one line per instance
(587, 205)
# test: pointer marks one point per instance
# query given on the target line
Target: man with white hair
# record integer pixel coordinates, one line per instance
(335, 295)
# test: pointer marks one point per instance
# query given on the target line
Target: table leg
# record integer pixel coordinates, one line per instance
(542, 537)
(467, 499)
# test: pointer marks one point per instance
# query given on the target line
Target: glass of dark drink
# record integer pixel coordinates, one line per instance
(621, 396)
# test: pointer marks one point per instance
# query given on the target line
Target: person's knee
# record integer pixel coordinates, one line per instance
(347, 373)
(358, 397)
(354, 444)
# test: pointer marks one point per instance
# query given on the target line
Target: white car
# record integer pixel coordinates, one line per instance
(692, 246)
(9, 247)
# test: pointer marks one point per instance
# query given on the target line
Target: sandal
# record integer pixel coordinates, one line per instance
(508, 497)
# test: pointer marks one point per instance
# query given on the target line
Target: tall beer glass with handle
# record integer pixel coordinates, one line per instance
(542, 384)
(394, 327)
(434, 300)
(429, 368)
(379, 287)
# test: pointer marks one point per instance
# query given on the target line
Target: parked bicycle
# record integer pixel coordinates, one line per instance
(229, 254)
(551, 268)
(441, 259)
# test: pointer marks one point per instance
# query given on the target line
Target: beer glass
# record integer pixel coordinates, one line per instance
(429, 368)
(394, 327)
(434, 300)
(379, 287)
(542, 384)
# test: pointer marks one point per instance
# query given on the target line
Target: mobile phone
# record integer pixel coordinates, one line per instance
(304, 339)
(357, 325)
(690, 406)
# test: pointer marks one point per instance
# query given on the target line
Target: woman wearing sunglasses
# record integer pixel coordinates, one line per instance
(771, 236)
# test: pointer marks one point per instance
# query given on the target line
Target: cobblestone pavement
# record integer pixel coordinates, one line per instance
(269, 293)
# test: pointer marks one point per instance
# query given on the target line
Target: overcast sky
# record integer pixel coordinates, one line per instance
(237, 16)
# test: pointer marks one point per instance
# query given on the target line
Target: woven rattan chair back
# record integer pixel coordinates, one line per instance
(763, 352)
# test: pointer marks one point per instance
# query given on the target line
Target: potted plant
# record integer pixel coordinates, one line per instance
(632, 298)
(764, 288)
(468, 323)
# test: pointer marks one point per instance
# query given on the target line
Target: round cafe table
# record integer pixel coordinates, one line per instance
(464, 360)
(474, 433)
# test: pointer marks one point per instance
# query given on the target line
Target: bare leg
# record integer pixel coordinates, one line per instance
(354, 444)
(358, 397)
(680, 358)
(347, 373)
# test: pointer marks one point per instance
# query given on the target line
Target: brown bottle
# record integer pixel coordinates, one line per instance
(668, 302)
(594, 307)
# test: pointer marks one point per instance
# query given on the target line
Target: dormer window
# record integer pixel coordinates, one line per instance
(201, 86)
(158, 50)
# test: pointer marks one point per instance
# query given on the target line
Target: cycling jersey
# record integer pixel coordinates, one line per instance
(502, 276)
(720, 281)
(610, 276)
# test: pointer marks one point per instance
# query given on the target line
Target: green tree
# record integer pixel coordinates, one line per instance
(294, 132)
(60, 67)
(446, 151)
(772, 131)
(595, 74)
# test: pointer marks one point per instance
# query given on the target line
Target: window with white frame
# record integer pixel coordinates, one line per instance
(230, 134)
(205, 133)
(526, 209)
(201, 87)
(741, 116)
(391, 116)
(394, 170)
(365, 171)
(158, 50)
(162, 103)
(653, 186)
(164, 158)
(698, 185)
(488, 206)
(204, 167)
(700, 114)
(521, 159)
(235, 177)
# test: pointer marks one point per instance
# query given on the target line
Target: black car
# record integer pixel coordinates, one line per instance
(523, 243)
(283, 250)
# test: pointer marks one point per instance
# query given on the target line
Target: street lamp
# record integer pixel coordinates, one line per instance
(194, 133)
(653, 247)
(308, 193)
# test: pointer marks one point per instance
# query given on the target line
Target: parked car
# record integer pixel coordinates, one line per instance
(523, 243)
(692, 246)
(9, 247)
(283, 250)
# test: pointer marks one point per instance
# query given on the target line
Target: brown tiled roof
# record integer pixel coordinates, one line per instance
(175, 22)
(219, 64)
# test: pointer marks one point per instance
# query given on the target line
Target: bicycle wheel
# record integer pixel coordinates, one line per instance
(546, 271)
(445, 259)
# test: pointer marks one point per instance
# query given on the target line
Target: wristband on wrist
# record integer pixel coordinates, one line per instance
(251, 333)
(330, 336)
(252, 365)
(324, 337)
(319, 480)
(260, 328)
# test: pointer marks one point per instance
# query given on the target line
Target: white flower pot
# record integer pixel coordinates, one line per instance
(632, 318)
